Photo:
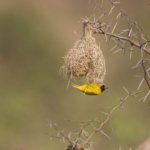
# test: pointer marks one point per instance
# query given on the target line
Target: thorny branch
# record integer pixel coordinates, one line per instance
(145, 71)
(104, 14)
(83, 137)
(130, 22)
(122, 41)
(147, 50)
(102, 123)
(80, 141)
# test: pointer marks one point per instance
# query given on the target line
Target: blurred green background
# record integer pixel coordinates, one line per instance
(34, 36)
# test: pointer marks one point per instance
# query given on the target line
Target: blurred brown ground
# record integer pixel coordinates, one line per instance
(34, 36)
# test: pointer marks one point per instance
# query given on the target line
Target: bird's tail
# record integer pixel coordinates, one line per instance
(75, 86)
(86, 82)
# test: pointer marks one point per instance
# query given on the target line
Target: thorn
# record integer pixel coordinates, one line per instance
(146, 59)
(108, 26)
(58, 134)
(63, 139)
(131, 52)
(118, 15)
(94, 8)
(86, 133)
(143, 38)
(121, 33)
(140, 84)
(130, 148)
(113, 48)
(111, 127)
(146, 95)
(114, 27)
(141, 98)
(102, 3)
(108, 107)
(50, 138)
(100, 16)
(125, 30)
(138, 76)
(116, 2)
(69, 135)
(89, 1)
(148, 108)
(120, 147)
(112, 103)
(76, 133)
(123, 107)
(139, 62)
(126, 90)
(83, 19)
(106, 37)
(130, 32)
(145, 45)
(136, 66)
(148, 74)
(123, 41)
(50, 124)
(91, 144)
(104, 134)
(86, 17)
(111, 10)
(141, 53)
(112, 118)
(117, 50)
(105, 113)
(92, 126)
(75, 33)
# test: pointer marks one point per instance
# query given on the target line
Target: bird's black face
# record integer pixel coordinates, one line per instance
(103, 87)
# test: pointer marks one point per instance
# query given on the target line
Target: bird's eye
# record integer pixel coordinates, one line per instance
(103, 87)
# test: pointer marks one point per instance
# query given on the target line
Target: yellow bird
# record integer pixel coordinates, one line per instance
(90, 89)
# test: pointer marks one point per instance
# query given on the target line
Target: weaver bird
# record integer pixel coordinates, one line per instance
(90, 89)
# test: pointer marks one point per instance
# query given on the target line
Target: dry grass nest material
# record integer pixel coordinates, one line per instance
(85, 58)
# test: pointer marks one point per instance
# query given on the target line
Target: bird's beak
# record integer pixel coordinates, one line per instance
(106, 87)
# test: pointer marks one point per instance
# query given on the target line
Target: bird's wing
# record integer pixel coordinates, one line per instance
(93, 86)
(86, 82)
(90, 87)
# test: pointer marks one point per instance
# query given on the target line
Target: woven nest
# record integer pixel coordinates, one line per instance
(86, 58)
